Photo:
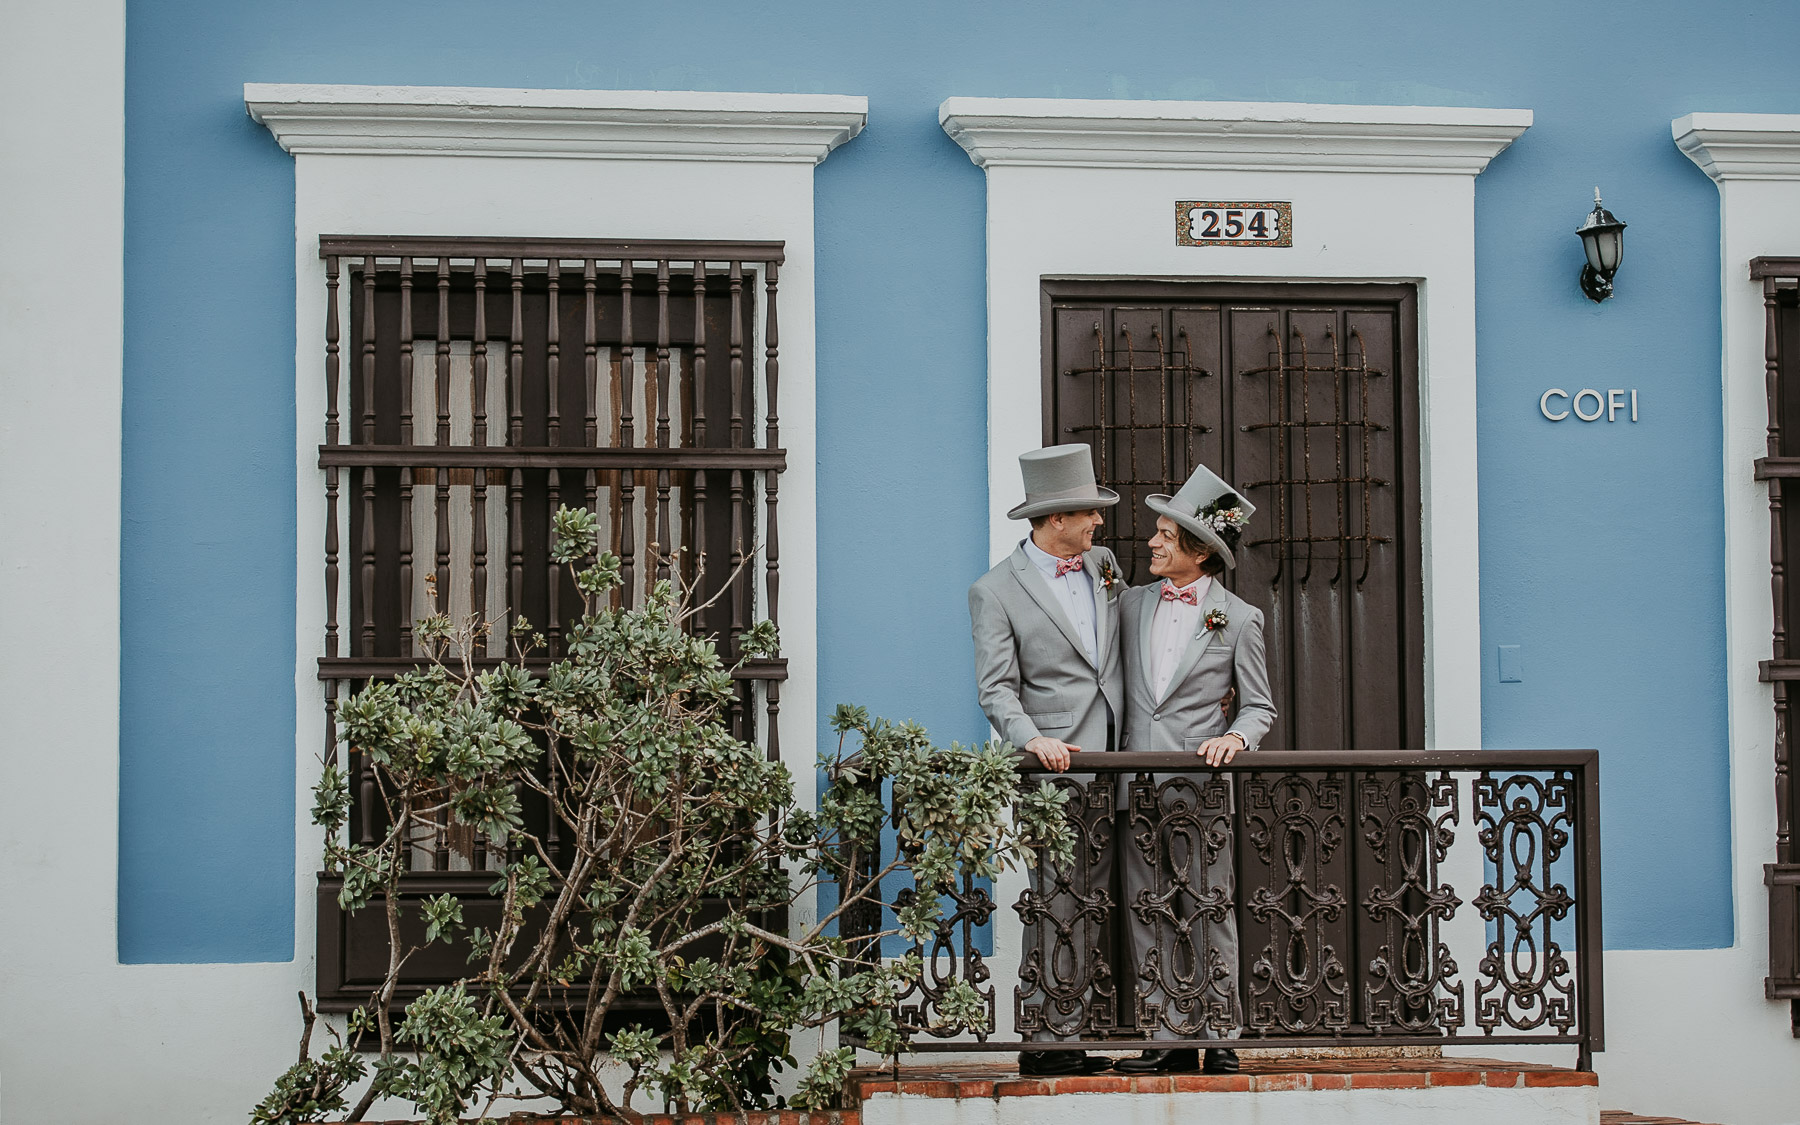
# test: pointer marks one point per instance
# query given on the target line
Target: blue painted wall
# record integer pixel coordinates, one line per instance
(1601, 543)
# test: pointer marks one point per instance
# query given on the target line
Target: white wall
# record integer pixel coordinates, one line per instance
(1689, 1032)
(83, 1039)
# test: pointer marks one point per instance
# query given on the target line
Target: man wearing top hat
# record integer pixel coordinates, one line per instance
(1047, 667)
(1196, 684)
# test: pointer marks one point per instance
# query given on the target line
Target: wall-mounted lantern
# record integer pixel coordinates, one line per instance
(1603, 237)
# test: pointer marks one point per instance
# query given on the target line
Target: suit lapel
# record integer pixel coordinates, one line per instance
(1103, 621)
(1197, 645)
(1034, 585)
(1146, 619)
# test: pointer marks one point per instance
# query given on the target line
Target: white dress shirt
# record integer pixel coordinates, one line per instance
(1074, 591)
(1172, 627)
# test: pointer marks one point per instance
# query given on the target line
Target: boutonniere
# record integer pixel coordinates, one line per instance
(1216, 619)
(1109, 580)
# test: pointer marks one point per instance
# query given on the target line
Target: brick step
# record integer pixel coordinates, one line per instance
(1002, 1080)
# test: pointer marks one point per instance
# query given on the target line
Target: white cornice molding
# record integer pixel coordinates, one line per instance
(1243, 136)
(1741, 146)
(576, 124)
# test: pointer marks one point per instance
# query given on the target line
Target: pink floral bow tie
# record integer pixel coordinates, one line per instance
(1171, 594)
(1064, 566)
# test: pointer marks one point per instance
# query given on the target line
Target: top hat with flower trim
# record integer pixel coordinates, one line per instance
(1214, 511)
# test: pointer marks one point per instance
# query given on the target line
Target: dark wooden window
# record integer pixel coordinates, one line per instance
(1780, 279)
(472, 386)
(1306, 398)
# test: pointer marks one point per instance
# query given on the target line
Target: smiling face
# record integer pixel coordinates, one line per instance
(1168, 559)
(1067, 533)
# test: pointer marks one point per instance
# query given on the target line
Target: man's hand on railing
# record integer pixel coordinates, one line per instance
(1054, 753)
(1220, 750)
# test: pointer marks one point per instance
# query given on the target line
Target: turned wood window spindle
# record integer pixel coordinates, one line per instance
(771, 491)
(697, 439)
(406, 438)
(441, 475)
(627, 549)
(332, 361)
(478, 478)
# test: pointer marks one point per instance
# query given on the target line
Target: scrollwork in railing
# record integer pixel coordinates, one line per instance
(1337, 871)
(1066, 988)
(1408, 825)
(1180, 891)
(954, 955)
(1295, 823)
(1525, 823)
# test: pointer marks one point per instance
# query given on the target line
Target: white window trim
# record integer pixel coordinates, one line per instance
(1755, 160)
(619, 165)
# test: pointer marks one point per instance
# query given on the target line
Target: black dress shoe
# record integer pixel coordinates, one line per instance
(1220, 1060)
(1177, 1061)
(1056, 1064)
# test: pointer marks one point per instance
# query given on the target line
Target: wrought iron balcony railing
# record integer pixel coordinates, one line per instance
(1406, 897)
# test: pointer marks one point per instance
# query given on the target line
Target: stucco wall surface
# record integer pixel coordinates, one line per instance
(130, 167)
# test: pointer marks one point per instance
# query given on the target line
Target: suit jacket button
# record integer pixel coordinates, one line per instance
(1156, 718)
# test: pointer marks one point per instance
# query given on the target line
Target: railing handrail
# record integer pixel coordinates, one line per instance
(1164, 761)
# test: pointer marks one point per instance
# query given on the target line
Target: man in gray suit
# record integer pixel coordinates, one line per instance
(1196, 684)
(1047, 667)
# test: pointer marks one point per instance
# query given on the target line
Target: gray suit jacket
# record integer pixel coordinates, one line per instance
(1215, 662)
(1031, 672)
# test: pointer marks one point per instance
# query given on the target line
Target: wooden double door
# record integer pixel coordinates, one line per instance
(1306, 398)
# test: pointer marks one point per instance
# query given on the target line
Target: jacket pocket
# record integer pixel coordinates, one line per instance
(1052, 720)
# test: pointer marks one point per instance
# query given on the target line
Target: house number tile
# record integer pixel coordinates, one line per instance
(1234, 224)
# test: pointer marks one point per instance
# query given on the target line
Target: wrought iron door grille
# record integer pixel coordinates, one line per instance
(1340, 417)
(1169, 415)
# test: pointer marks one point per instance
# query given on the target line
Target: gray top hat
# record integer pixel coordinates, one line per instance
(1060, 478)
(1210, 508)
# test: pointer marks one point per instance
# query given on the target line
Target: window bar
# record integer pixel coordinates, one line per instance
(478, 479)
(515, 436)
(697, 380)
(771, 490)
(406, 438)
(366, 776)
(331, 471)
(664, 540)
(1162, 379)
(1131, 423)
(1368, 485)
(1306, 474)
(739, 605)
(627, 440)
(1189, 377)
(1101, 435)
(1281, 470)
(331, 501)
(1777, 575)
(368, 474)
(553, 436)
(441, 477)
(590, 429)
(1337, 440)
